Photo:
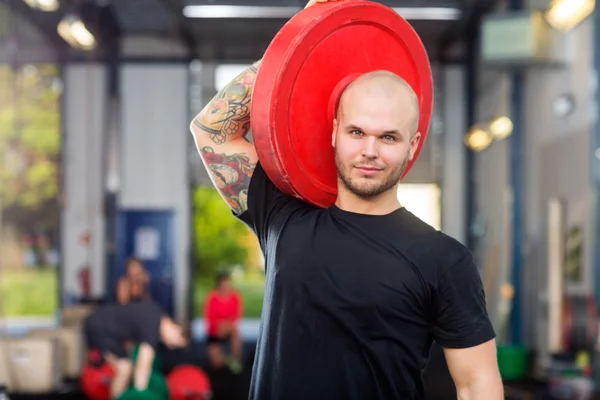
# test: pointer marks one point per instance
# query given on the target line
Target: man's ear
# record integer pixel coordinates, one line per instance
(414, 144)
(335, 125)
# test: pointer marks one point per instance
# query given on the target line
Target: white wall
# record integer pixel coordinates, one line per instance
(154, 140)
(84, 115)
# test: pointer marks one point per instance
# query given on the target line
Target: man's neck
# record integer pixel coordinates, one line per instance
(383, 204)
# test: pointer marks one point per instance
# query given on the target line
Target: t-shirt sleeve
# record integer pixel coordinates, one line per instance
(460, 317)
(266, 205)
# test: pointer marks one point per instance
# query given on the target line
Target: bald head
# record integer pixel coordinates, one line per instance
(386, 87)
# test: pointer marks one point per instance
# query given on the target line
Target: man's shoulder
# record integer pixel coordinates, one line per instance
(430, 250)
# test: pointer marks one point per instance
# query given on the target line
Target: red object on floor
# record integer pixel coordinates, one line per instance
(188, 382)
(96, 378)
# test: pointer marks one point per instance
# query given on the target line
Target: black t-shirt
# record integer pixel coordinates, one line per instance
(353, 302)
(136, 321)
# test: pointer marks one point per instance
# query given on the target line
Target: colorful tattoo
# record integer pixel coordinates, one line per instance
(231, 175)
(228, 114)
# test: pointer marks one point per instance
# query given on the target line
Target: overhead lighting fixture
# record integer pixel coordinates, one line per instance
(478, 139)
(563, 105)
(566, 14)
(501, 128)
(73, 31)
(409, 13)
(43, 5)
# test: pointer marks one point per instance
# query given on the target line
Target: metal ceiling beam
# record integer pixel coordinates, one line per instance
(473, 11)
(175, 11)
(101, 22)
(45, 22)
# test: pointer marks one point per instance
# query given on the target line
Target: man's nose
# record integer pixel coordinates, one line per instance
(370, 148)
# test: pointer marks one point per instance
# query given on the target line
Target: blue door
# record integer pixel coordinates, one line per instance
(148, 235)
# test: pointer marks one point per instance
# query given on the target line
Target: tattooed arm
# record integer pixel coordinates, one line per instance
(219, 131)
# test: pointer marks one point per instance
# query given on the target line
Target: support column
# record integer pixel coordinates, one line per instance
(595, 173)
(454, 177)
(516, 180)
(82, 217)
(155, 142)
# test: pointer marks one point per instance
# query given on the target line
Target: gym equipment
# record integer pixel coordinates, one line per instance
(157, 389)
(133, 394)
(580, 324)
(95, 381)
(513, 362)
(156, 364)
(188, 382)
(158, 384)
(302, 75)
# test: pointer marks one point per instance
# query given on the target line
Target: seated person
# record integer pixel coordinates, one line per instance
(223, 310)
(111, 326)
(134, 285)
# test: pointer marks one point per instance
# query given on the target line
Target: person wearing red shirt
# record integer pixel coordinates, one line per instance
(223, 310)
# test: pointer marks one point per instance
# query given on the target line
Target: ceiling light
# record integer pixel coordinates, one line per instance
(501, 128)
(478, 139)
(566, 14)
(43, 5)
(216, 11)
(73, 31)
(563, 105)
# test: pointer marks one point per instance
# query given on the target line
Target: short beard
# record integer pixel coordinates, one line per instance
(370, 191)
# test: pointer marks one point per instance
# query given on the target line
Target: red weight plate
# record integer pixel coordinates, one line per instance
(95, 381)
(189, 382)
(303, 73)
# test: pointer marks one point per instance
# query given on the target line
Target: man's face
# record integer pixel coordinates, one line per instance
(225, 285)
(374, 139)
(135, 270)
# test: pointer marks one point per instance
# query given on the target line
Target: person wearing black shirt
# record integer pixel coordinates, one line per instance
(110, 326)
(356, 293)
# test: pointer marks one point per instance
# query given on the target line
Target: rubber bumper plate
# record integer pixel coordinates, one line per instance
(302, 75)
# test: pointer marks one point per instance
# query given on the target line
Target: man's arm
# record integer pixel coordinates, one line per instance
(462, 327)
(123, 291)
(475, 372)
(143, 366)
(219, 132)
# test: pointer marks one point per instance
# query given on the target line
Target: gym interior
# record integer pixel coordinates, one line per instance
(98, 166)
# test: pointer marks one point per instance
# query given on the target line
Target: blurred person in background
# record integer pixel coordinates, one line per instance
(111, 327)
(134, 285)
(222, 312)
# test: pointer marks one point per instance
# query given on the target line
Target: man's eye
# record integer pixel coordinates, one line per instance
(356, 132)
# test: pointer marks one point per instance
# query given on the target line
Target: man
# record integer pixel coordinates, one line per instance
(109, 327)
(223, 310)
(133, 286)
(355, 294)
